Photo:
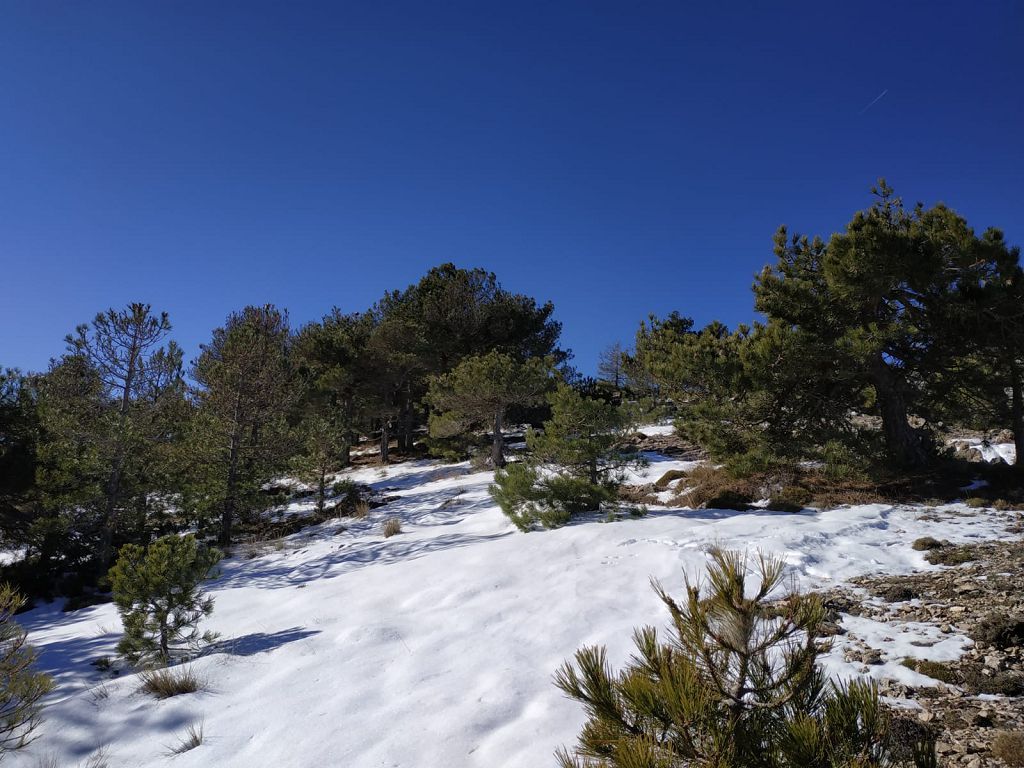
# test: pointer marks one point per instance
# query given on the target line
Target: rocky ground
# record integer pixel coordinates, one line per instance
(979, 696)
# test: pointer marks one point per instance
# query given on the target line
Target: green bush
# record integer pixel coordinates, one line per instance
(156, 590)
(842, 463)
(21, 686)
(757, 461)
(736, 686)
(1000, 630)
(530, 500)
(345, 489)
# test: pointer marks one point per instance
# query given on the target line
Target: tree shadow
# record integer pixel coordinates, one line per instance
(359, 554)
(259, 642)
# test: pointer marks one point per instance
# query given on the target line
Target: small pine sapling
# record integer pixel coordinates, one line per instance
(157, 592)
(737, 686)
(21, 686)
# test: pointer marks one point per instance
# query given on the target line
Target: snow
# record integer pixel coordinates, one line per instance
(990, 452)
(657, 430)
(437, 646)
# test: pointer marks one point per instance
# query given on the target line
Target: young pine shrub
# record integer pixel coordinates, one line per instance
(736, 686)
(157, 592)
(529, 500)
(22, 687)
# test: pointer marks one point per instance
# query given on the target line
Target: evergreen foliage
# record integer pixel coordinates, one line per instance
(479, 392)
(530, 498)
(575, 462)
(239, 431)
(157, 592)
(874, 340)
(21, 686)
(736, 686)
(19, 436)
(588, 437)
(107, 411)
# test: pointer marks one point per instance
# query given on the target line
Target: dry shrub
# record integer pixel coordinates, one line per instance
(926, 543)
(937, 670)
(669, 477)
(950, 555)
(167, 682)
(1008, 746)
(392, 527)
(714, 488)
(637, 494)
(1000, 630)
(361, 509)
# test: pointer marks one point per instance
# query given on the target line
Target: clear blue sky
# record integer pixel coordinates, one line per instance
(618, 158)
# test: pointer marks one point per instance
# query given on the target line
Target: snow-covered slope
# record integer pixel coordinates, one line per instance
(435, 647)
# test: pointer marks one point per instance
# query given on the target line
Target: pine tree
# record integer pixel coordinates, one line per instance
(611, 365)
(868, 309)
(575, 462)
(157, 592)
(480, 391)
(245, 392)
(321, 441)
(982, 385)
(736, 686)
(585, 436)
(19, 435)
(105, 408)
(21, 686)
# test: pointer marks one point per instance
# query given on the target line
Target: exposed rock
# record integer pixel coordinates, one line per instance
(982, 599)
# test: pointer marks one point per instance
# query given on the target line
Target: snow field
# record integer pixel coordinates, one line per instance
(438, 646)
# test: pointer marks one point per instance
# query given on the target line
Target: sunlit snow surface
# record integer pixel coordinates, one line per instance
(436, 647)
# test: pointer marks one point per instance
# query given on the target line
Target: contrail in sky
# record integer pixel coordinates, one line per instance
(874, 101)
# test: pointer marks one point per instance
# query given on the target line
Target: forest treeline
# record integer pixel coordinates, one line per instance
(873, 343)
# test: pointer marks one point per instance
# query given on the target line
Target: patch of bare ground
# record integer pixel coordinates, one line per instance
(976, 706)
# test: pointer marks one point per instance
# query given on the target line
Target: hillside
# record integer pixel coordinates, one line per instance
(437, 646)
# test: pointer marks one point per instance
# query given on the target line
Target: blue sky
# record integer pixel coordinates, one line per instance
(617, 158)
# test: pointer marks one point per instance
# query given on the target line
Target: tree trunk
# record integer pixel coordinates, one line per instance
(106, 547)
(1017, 412)
(385, 440)
(593, 471)
(165, 649)
(901, 440)
(228, 514)
(498, 444)
(321, 492)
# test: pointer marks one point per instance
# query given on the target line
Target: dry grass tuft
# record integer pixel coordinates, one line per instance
(1008, 746)
(193, 738)
(361, 509)
(392, 527)
(168, 682)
